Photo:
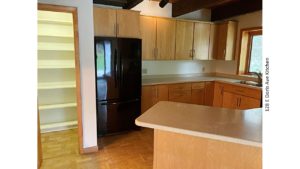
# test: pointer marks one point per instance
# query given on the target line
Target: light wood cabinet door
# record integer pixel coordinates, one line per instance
(148, 97)
(104, 22)
(128, 23)
(148, 35)
(209, 93)
(198, 96)
(201, 41)
(221, 41)
(224, 40)
(162, 93)
(230, 100)
(218, 94)
(184, 40)
(165, 39)
(248, 103)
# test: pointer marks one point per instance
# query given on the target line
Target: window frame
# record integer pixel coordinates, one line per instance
(244, 49)
(251, 34)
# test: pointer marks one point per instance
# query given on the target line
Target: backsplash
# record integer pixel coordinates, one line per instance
(177, 67)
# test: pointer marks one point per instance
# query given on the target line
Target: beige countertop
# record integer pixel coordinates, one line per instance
(237, 126)
(156, 80)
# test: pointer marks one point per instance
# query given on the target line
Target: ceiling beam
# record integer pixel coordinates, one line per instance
(131, 3)
(185, 6)
(235, 8)
(119, 3)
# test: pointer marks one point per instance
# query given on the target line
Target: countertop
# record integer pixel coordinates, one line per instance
(237, 126)
(185, 79)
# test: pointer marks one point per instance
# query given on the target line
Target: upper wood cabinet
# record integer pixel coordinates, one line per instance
(184, 40)
(148, 36)
(128, 23)
(165, 38)
(105, 22)
(120, 23)
(224, 40)
(201, 41)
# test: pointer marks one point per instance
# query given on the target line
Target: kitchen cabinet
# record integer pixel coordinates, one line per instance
(198, 93)
(235, 101)
(184, 40)
(224, 40)
(218, 94)
(201, 41)
(209, 93)
(148, 36)
(236, 97)
(116, 23)
(153, 94)
(128, 23)
(165, 39)
(105, 22)
(180, 92)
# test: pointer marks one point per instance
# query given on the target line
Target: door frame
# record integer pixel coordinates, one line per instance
(73, 10)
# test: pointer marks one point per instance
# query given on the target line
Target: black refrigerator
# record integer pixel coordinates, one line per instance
(118, 83)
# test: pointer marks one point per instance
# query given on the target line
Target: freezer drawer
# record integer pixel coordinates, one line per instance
(114, 117)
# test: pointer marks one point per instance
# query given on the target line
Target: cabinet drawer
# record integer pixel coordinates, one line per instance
(243, 91)
(198, 85)
(181, 86)
(180, 96)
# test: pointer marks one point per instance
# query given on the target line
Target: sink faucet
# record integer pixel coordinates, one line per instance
(259, 76)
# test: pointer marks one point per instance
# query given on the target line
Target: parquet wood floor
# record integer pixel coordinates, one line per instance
(131, 150)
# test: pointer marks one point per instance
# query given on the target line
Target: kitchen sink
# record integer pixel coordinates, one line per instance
(250, 83)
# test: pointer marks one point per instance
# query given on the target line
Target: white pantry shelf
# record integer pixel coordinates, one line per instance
(56, 64)
(56, 85)
(57, 106)
(55, 46)
(58, 126)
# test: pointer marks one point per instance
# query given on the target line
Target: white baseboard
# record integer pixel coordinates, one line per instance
(45, 128)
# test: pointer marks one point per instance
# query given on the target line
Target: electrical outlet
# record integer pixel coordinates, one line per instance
(144, 71)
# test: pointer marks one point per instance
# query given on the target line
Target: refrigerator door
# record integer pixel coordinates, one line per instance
(114, 117)
(106, 65)
(130, 67)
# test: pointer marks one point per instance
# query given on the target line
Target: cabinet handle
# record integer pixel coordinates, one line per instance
(237, 102)
(191, 53)
(115, 29)
(240, 102)
(194, 53)
(224, 53)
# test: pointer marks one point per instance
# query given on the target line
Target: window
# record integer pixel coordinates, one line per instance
(250, 59)
(254, 59)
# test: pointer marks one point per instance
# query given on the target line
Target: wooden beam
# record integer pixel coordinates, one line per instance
(119, 3)
(131, 3)
(185, 6)
(235, 8)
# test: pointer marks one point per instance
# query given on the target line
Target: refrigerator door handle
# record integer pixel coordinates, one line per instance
(116, 68)
(121, 102)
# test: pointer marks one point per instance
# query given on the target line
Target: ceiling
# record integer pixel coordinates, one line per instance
(220, 9)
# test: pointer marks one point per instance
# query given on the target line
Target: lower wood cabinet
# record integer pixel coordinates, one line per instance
(215, 94)
(236, 97)
(153, 94)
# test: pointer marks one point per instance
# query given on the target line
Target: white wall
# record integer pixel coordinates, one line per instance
(86, 51)
(249, 20)
(151, 8)
(177, 67)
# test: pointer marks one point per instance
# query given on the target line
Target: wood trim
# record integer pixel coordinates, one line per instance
(242, 31)
(73, 10)
(90, 150)
(40, 152)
